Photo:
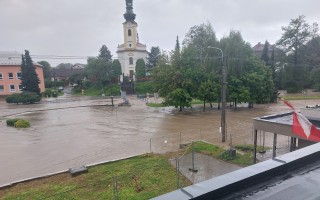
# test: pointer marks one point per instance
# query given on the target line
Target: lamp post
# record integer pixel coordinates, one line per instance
(223, 96)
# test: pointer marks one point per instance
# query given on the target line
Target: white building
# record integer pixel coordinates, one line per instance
(131, 50)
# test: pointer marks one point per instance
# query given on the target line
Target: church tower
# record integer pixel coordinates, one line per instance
(131, 50)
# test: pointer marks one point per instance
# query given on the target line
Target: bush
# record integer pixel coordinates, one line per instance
(21, 123)
(144, 87)
(24, 98)
(10, 122)
(50, 93)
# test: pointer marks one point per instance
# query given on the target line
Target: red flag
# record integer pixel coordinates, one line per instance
(304, 128)
(288, 104)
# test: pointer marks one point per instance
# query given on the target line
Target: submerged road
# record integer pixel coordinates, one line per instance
(73, 133)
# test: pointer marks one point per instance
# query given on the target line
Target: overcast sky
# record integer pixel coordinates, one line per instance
(81, 27)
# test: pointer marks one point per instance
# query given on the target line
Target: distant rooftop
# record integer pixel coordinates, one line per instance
(12, 58)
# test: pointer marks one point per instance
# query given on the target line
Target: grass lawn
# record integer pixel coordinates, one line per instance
(155, 105)
(301, 97)
(154, 173)
(242, 159)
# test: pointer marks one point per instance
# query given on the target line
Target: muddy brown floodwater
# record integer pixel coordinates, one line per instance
(79, 131)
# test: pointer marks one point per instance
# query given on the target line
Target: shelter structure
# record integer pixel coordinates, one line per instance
(294, 175)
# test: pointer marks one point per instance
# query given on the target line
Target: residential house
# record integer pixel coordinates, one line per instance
(10, 73)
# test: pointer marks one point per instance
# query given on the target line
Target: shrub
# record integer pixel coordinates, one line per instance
(50, 93)
(24, 97)
(10, 122)
(21, 123)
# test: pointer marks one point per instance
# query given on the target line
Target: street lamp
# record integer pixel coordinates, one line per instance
(223, 96)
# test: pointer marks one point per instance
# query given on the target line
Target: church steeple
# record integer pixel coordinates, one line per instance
(129, 15)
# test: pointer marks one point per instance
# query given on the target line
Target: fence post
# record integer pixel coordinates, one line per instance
(177, 175)
(180, 140)
(115, 188)
(193, 169)
(150, 145)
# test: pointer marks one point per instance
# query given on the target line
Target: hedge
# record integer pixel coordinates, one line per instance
(10, 122)
(24, 98)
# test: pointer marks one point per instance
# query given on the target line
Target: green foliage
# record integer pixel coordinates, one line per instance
(21, 123)
(140, 68)
(99, 71)
(10, 122)
(64, 66)
(156, 176)
(105, 54)
(24, 98)
(116, 68)
(179, 98)
(54, 84)
(155, 105)
(265, 53)
(46, 69)
(220, 153)
(29, 78)
(50, 93)
(144, 87)
(249, 148)
(153, 57)
(109, 90)
(299, 42)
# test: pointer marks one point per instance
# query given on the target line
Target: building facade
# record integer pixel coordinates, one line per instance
(131, 50)
(10, 73)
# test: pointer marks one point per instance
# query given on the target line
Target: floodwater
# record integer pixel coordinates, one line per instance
(74, 131)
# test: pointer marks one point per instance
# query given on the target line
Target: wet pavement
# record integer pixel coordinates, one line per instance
(74, 131)
(206, 167)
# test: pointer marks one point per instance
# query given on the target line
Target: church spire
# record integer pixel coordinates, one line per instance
(129, 15)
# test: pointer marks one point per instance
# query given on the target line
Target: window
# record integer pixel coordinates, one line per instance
(12, 88)
(19, 75)
(130, 61)
(1, 88)
(20, 88)
(10, 75)
(1, 77)
(129, 32)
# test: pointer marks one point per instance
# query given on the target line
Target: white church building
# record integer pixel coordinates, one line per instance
(131, 50)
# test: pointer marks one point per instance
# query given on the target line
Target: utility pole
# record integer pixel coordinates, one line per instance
(223, 95)
(224, 101)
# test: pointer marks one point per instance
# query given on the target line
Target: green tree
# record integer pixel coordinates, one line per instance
(295, 35)
(64, 66)
(116, 68)
(265, 53)
(99, 71)
(197, 41)
(46, 69)
(105, 54)
(179, 98)
(208, 90)
(29, 78)
(294, 38)
(153, 57)
(140, 68)
(176, 54)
